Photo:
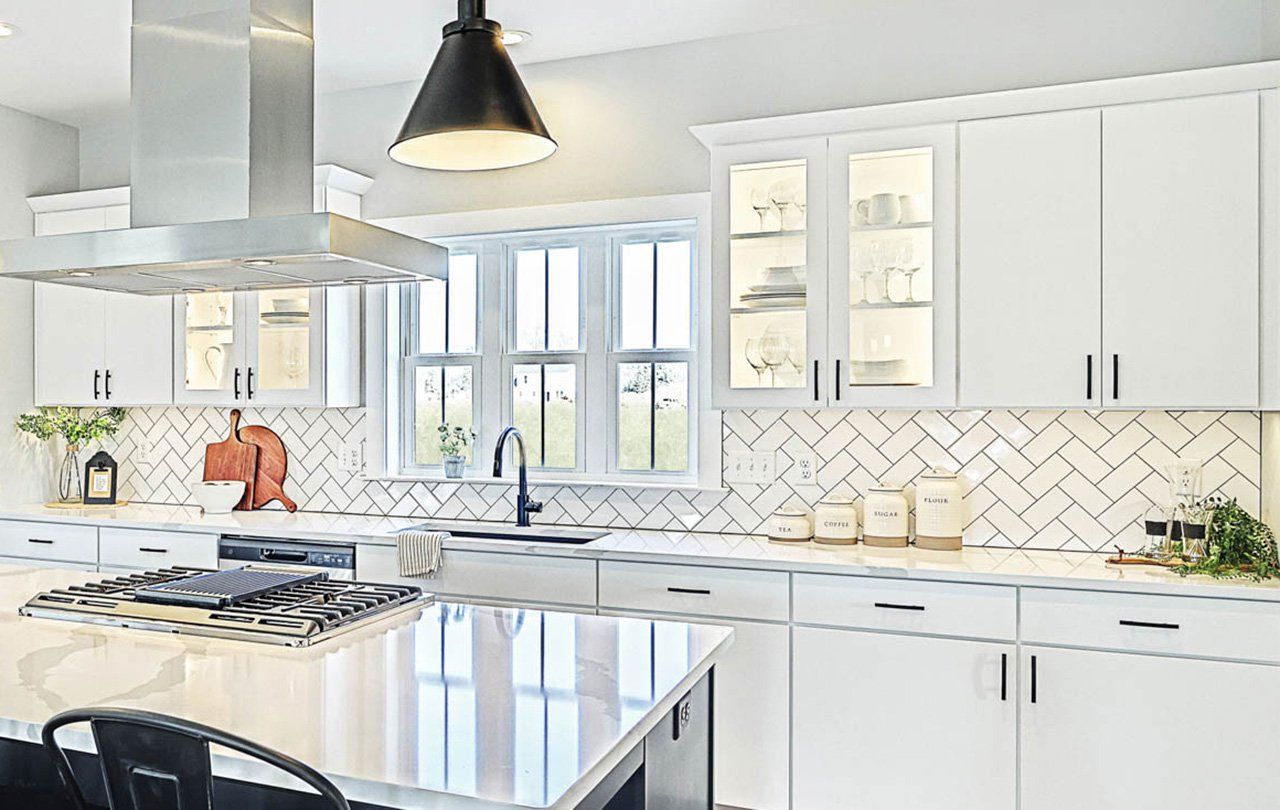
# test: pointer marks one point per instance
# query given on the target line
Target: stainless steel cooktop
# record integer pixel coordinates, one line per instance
(252, 603)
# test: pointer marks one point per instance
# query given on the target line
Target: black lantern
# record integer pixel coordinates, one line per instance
(473, 111)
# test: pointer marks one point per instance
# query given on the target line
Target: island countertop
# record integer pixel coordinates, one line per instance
(454, 707)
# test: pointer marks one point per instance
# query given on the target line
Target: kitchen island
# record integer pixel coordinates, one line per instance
(450, 708)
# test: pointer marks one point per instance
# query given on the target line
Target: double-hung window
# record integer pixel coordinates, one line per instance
(584, 339)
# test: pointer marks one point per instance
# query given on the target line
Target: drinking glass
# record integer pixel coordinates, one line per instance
(782, 195)
(754, 360)
(774, 348)
(906, 264)
(760, 203)
(861, 266)
(883, 259)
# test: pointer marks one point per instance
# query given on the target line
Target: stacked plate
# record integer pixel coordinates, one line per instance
(774, 296)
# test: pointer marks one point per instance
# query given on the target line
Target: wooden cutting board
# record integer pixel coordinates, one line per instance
(273, 465)
(233, 460)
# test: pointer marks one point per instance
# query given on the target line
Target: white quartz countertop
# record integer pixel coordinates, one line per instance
(454, 707)
(984, 565)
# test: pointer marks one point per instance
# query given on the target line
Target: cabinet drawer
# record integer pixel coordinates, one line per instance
(1178, 625)
(490, 576)
(145, 548)
(61, 565)
(946, 609)
(694, 590)
(49, 541)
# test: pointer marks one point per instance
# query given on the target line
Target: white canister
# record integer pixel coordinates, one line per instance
(790, 524)
(939, 511)
(836, 521)
(884, 518)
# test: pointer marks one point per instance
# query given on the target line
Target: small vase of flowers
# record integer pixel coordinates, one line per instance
(454, 442)
(76, 430)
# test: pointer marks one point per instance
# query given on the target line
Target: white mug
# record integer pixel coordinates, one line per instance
(858, 213)
(884, 209)
(913, 207)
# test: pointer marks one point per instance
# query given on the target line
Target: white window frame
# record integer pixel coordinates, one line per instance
(383, 326)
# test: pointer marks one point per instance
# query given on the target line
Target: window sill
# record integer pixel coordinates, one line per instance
(557, 481)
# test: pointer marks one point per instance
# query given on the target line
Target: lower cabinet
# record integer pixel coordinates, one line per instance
(752, 716)
(1119, 731)
(898, 722)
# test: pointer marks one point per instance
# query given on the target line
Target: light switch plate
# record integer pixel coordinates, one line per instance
(751, 468)
(351, 457)
(806, 465)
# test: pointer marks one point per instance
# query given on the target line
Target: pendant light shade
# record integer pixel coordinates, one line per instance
(473, 112)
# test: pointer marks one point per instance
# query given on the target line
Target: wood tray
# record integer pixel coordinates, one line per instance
(78, 505)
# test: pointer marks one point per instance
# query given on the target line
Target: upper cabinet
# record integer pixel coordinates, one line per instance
(834, 271)
(1111, 257)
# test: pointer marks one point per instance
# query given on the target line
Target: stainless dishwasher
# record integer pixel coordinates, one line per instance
(338, 560)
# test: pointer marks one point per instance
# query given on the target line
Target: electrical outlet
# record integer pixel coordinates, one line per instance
(751, 468)
(806, 467)
(145, 453)
(351, 457)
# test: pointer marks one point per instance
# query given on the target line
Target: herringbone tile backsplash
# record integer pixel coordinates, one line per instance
(1035, 479)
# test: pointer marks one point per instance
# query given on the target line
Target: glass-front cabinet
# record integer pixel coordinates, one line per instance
(834, 271)
(770, 255)
(269, 347)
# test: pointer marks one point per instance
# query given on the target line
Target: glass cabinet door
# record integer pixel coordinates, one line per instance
(211, 337)
(771, 272)
(892, 324)
(284, 347)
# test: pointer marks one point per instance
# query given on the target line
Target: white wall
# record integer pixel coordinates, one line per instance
(36, 157)
(622, 119)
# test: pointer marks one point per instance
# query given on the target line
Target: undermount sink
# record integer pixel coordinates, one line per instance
(536, 534)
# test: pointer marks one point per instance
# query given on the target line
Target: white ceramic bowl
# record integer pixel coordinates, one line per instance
(217, 497)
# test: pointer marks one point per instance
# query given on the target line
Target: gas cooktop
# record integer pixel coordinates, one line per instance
(252, 603)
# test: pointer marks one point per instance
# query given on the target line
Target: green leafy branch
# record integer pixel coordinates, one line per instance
(454, 440)
(1240, 545)
(45, 423)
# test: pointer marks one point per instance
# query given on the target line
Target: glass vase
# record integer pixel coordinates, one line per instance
(454, 466)
(69, 476)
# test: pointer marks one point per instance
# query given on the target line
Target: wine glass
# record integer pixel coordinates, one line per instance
(782, 194)
(799, 201)
(774, 349)
(754, 360)
(760, 202)
(861, 266)
(907, 265)
(882, 262)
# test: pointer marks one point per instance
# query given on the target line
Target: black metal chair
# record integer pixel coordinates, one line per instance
(157, 762)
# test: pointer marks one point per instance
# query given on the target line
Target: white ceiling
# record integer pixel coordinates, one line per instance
(71, 61)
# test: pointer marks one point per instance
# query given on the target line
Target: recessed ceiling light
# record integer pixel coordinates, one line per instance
(514, 36)
(259, 263)
(8, 30)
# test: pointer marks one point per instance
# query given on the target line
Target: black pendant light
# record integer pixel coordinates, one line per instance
(473, 111)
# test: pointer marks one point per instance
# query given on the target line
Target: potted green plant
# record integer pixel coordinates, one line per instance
(453, 448)
(76, 430)
(1239, 545)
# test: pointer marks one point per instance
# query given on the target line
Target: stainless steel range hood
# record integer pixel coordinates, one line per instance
(221, 168)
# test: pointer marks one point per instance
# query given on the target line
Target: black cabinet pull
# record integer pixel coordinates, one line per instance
(815, 380)
(107, 387)
(1088, 377)
(39, 542)
(237, 384)
(699, 591)
(892, 606)
(249, 377)
(1034, 678)
(155, 550)
(837, 381)
(1115, 377)
(1004, 676)
(1155, 625)
(97, 375)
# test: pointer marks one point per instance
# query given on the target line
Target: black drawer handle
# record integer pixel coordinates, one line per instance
(281, 555)
(892, 606)
(154, 550)
(698, 591)
(41, 542)
(1155, 625)
(1004, 676)
(1035, 680)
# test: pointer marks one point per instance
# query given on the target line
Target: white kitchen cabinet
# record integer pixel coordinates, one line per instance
(891, 318)
(94, 347)
(1117, 731)
(1031, 253)
(43, 545)
(896, 722)
(752, 716)
(1180, 252)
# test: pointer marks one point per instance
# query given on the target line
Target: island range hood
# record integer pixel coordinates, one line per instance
(221, 168)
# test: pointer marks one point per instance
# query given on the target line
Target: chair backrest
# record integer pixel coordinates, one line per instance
(157, 762)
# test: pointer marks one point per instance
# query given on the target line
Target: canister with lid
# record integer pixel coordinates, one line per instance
(939, 511)
(790, 524)
(884, 517)
(836, 521)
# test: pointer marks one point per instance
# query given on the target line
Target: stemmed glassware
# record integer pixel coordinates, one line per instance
(774, 349)
(755, 360)
(860, 265)
(908, 266)
(883, 261)
(760, 203)
(782, 194)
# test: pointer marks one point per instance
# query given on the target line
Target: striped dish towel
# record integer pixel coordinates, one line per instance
(419, 553)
